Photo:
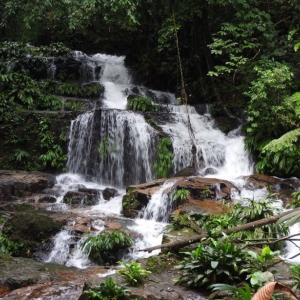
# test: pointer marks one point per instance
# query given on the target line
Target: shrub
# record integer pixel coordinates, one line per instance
(163, 160)
(133, 272)
(180, 194)
(141, 103)
(219, 261)
(107, 291)
(100, 247)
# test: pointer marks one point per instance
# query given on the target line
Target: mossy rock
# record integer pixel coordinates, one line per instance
(28, 229)
(131, 206)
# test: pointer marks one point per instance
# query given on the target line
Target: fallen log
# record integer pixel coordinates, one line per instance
(205, 234)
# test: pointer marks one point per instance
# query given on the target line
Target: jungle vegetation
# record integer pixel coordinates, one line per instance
(241, 56)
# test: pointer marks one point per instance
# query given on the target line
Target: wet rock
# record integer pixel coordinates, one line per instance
(158, 286)
(188, 171)
(23, 278)
(199, 188)
(28, 229)
(82, 197)
(22, 183)
(138, 196)
(47, 199)
(283, 186)
(109, 193)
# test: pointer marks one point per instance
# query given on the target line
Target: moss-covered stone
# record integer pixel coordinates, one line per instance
(28, 229)
(131, 205)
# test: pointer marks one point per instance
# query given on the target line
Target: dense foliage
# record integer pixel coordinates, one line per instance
(164, 158)
(106, 291)
(105, 246)
(241, 55)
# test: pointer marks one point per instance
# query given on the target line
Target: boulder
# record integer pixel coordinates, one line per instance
(21, 183)
(202, 192)
(29, 228)
(284, 187)
(84, 196)
(109, 193)
(138, 196)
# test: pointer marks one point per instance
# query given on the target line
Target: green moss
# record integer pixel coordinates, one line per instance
(27, 229)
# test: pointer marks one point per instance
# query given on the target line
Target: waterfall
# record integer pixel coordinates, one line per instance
(111, 146)
(122, 140)
(80, 143)
(159, 207)
(117, 147)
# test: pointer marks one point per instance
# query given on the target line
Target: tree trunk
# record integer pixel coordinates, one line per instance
(197, 238)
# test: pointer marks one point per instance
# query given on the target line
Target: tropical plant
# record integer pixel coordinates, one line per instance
(295, 201)
(9, 247)
(107, 291)
(262, 262)
(219, 261)
(163, 161)
(180, 194)
(133, 272)
(294, 271)
(216, 223)
(281, 155)
(256, 210)
(259, 279)
(141, 103)
(237, 293)
(102, 247)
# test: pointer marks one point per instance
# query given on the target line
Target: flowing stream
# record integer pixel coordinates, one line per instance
(110, 146)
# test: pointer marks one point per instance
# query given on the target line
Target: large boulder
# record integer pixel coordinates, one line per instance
(29, 228)
(284, 187)
(204, 194)
(21, 183)
(83, 196)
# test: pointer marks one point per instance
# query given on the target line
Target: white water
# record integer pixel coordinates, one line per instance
(225, 155)
(130, 150)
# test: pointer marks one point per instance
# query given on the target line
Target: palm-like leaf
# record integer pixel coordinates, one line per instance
(290, 219)
(285, 142)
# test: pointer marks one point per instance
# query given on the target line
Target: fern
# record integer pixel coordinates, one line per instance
(284, 143)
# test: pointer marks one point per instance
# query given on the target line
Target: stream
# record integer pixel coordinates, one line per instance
(112, 147)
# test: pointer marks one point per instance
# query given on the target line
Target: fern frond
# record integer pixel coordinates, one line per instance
(295, 101)
(285, 142)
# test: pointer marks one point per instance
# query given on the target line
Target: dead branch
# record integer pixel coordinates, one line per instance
(204, 234)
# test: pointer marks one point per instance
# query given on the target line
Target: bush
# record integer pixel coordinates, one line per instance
(141, 103)
(100, 247)
(219, 261)
(107, 291)
(133, 273)
(164, 157)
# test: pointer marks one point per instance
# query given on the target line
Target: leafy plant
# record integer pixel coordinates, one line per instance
(237, 293)
(152, 122)
(107, 291)
(256, 210)
(73, 105)
(141, 103)
(264, 261)
(259, 279)
(100, 247)
(296, 200)
(180, 194)
(219, 261)
(133, 272)
(178, 222)
(294, 271)
(206, 192)
(163, 161)
(9, 247)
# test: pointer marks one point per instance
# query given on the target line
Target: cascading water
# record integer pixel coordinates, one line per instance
(114, 147)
